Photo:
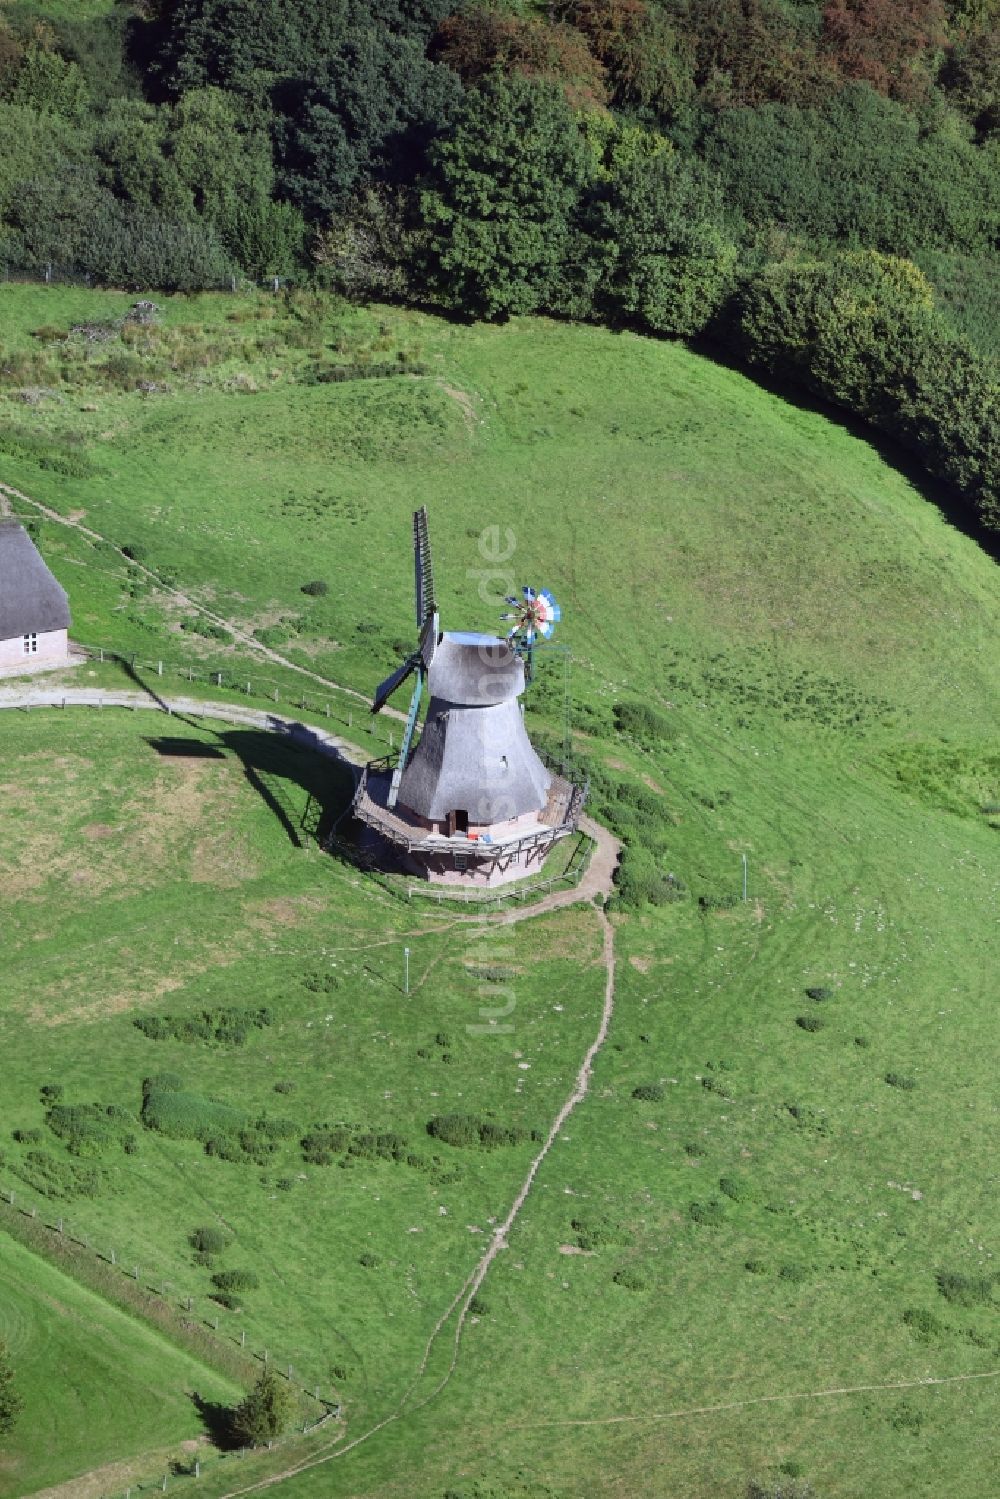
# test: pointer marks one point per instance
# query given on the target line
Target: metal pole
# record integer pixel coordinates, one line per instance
(744, 876)
(406, 970)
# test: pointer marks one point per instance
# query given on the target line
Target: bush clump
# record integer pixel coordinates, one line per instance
(182, 1115)
(236, 1280)
(59, 1178)
(369, 1261)
(708, 1214)
(638, 721)
(965, 1290)
(923, 1323)
(794, 1273)
(897, 1080)
(316, 588)
(736, 1189)
(599, 1233)
(810, 1023)
(649, 1092)
(230, 1026)
(320, 983)
(383, 1146)
(467, 1129)
(323, 1143)
(89, 1129)
(819, 992)
(631, 1280)
(756, 1267)
(209, 1239)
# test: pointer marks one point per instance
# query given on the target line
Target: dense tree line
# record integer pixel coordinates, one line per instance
(769, 174)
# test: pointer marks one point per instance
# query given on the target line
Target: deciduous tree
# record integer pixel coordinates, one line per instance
(502, 190)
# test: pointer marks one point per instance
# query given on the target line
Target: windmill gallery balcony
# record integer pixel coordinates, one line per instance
(453, 851)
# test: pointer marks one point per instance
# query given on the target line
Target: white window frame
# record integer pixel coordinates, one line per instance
(31, 644)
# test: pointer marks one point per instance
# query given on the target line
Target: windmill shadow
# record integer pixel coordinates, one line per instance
(305, 789)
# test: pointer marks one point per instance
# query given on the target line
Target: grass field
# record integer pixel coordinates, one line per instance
(98, 1386)
(772, 1218)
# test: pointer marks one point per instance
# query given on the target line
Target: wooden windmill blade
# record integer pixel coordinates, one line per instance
(423, 568)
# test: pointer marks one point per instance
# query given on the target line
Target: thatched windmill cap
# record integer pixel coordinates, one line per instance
(474, 671)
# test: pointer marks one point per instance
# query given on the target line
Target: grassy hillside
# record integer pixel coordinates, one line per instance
(799, 1199)
(98, 1387)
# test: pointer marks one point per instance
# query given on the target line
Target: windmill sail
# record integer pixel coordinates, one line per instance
(388, 687)
(423, 568)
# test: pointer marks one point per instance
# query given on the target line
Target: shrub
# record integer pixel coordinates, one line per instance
(707, 1214)
(794, 1273)
(756, 1267)
(467, 1129)
(819, 992)
(162, 1082)
(631, 1280)
(32, 1136)
(641, 722)
(897, 1080)
(324, 1142)
(183, 1115)
(810, 1022)
(923, 1323)
(316, 588)
(862, 1042)
(236, 1280)
(59, 1178)
(386, 1146)
(905, 1417)
(965, 1290)
(478, 1307)
(284, 1085)
(228, 1025)
(320, 983)
(724, 902)
(51, 1093)
(649, 1092)
(264, 1412)
(369, 1261)
(598, 1233)
(209, 1239)
(735, 1189)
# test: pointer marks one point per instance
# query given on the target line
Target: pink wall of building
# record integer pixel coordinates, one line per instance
(49, 647)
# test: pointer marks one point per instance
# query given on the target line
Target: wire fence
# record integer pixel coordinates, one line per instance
(336, 704)
(51, 273)
(125, 1280)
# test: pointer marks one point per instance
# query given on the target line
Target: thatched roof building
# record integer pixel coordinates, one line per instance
(34, 608)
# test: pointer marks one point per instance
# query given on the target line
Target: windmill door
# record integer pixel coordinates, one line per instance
(458, 822)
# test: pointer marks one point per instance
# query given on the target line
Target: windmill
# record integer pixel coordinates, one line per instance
(534, 613)
(472, 801)
(418, 662)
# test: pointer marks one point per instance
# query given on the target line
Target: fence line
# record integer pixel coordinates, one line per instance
(245, 682)
(149, 1294)
(50, 273)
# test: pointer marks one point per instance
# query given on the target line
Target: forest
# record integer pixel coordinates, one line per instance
(808, 190)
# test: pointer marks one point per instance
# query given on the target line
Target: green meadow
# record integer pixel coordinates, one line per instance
(99, 1387)
(773, 1219)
